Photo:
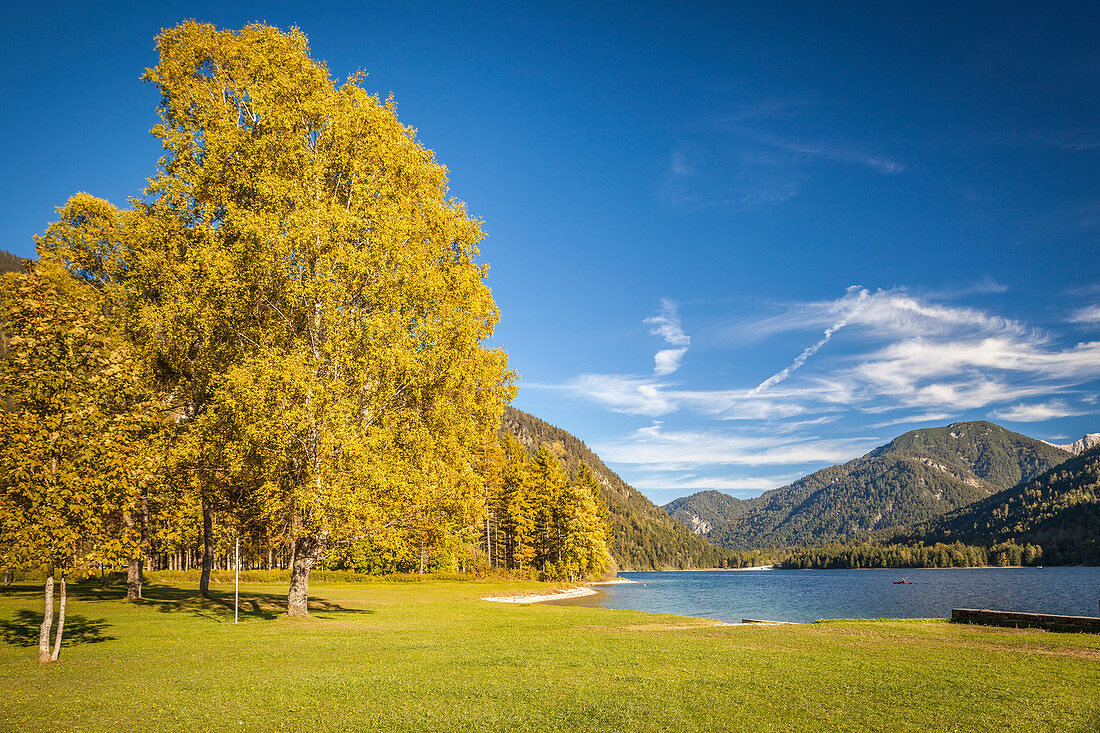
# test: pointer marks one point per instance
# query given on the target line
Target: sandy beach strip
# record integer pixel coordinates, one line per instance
(613, 581)
(539, 598)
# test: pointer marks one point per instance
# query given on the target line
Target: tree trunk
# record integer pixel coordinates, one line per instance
(304, 554)
(60, 622)
(133, 579)
(207, 547)
(47, 622)
(147, 553)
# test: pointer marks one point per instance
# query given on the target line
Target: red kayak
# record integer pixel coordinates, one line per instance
(903, 581)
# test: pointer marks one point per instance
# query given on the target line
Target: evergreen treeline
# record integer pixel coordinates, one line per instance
(643, 537)
(916, 555)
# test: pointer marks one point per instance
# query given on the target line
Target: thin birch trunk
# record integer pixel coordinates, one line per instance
(60, 621)
(207, 547)
(47, 622)
(133, 572)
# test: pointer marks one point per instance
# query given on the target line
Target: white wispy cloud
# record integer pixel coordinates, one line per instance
(937, 357)
(667, 325)
(893, 313)
(917, 365)
(1037, 412)
(687, 483)
(898, 358)
(626, 393)
(938, 417)
(1089, 314)
(841, 153)
(760, 153)
(672, 450)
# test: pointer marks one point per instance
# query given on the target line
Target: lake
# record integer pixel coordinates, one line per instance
(808, 595)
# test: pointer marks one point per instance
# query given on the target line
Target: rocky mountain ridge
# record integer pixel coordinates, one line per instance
(1077, 447)
(918, 476)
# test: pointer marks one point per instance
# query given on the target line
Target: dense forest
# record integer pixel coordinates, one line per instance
(1058, 511)
(911, 555)
(916, 477)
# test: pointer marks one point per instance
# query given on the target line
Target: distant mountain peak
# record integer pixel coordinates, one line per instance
(918, 475)
(1077, 447)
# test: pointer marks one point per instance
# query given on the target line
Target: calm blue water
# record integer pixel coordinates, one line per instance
(808, 595)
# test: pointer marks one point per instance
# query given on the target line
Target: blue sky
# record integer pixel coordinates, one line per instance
(731, 243)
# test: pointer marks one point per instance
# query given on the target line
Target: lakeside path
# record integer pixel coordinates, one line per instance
(432, 656)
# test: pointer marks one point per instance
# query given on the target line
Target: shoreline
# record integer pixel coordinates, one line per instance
(705, 570)
(577, 592)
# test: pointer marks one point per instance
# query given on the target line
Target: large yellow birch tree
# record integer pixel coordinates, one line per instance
(299, 270)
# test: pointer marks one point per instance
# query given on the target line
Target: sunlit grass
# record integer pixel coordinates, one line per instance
(433, 656)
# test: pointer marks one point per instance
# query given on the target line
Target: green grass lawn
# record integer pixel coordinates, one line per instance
(432, 656)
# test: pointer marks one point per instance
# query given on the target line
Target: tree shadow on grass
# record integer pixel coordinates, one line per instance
(254, 606)
(219, 606)
(22, 630)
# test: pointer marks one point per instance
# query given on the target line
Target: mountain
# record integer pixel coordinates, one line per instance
(915, 477)
(643, 536)
(1089, 441)
(703, 511)
(1058, 510)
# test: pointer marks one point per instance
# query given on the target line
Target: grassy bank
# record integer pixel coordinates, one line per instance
(432, 656)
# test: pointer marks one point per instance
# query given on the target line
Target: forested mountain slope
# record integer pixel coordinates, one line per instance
(643, 537)
(1058, 510)
(978, 451)
(703, 511)
(916, 477)
(10, 262)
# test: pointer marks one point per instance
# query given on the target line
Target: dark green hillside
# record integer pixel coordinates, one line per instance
(1058, 510)
(854, 499)
(978, 450)
(643, 537)
(10, 262)
(916, 477)
(703, 511)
